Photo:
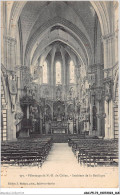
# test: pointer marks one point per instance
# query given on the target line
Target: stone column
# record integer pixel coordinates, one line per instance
(98, 105)
(98, 121)
(18, 74)
(77, 125)
(27, 111)
(109, 60)
(52, 110)
(88, 128)
(109, 127)
(111, 119)
(106, 120)
(91, 116)
(84, 125)
(11, 126)
(40, 123)
(10, 53)
(99, 93)
(40, 126)
(92, 96)
(108, 43)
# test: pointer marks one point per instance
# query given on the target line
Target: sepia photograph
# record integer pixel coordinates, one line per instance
(59, 94)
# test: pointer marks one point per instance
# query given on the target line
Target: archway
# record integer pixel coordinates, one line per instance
(75, 39)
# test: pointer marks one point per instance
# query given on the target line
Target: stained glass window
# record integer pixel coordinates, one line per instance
(72, 72)
(45, 75)
(58, 73)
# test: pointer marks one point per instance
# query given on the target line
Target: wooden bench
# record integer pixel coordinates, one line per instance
(94, 151)
(25, 151)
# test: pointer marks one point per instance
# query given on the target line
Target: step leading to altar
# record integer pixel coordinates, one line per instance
(59, 138)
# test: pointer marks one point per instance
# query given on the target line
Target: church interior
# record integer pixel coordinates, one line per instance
(59, 80)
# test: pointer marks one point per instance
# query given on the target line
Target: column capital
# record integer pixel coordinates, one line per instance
(108, 37)
(11, 73)
(108, 73)
(22, 68)
(18, 67)
(10, 40)
(115, 4)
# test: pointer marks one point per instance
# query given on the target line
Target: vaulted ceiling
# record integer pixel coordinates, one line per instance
(43, 23)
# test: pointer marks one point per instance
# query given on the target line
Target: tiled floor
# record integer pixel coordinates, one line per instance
(60, 169)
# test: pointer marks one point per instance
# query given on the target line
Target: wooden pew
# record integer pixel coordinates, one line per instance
(25, 151)
(95, 152)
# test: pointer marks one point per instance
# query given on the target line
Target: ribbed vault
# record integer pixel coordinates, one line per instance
(63, 37)
(69, 22)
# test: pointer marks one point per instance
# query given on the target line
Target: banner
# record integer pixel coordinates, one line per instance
(12, 87)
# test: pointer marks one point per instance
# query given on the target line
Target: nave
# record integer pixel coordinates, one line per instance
(59, 81)
(60, 169)
(59, 72)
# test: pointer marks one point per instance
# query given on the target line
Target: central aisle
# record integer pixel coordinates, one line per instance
(61, 157)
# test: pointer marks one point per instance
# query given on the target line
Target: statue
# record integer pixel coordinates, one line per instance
(58, 94)
(108, 91)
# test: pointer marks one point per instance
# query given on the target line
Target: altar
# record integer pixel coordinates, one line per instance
(60, 127)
